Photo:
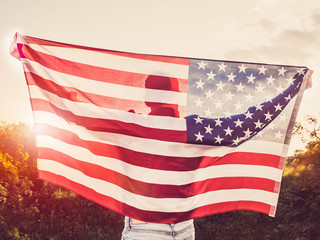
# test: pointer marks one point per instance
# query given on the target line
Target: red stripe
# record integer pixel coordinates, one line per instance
(157, 161)
(101, 74)
(150, 57)
(111, 126)
(151, 216)
(157, 190)
(76, 95)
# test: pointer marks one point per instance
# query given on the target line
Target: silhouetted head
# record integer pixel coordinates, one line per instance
(166, 84)
(162, 83)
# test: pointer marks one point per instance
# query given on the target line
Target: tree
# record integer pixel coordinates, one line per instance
(306, 164)
(34, 209)
(15, 184)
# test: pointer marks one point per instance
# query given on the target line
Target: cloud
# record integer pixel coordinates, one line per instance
(289, 47)
(282, 45)
(315, 18)
(267, 24)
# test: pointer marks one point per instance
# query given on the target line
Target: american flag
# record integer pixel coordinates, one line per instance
(158, 138)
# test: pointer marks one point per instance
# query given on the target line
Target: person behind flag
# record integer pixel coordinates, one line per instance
(140, 230)
(134, 228)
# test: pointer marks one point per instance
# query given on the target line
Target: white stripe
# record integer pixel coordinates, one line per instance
(156, 147)
(105, 89)
(160, 176)
(156, 204)
(20, 39)
(120, 63)
(94, 111)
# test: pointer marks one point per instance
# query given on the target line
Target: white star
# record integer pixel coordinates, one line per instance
(222, 67)
(260, 88)
(238, 106)
(229, 96)
(242, 68)
(259, 134)
(301, 71)
(218, 139)
(228, 131)
(280, 89)
(200, 84)
(288, 98)
(248, 115)
(198, 102)
(240, 87)
(249, 97)
(259, 107)
(208, 112)
(209, 94)
(270, 80)
(271, 125)
(238, 123)
(258, 124)
(198, 120)
(220, 86)
(262, 70)
(218, 104)
(278, 107)
(268, 98)
(211, 75)
(199, 136)
(247, 133)
(268, 116)
(282, 71)
(251, 78)
(227, 114)
(202, 65)
(231, 77)
(283, 117)
(208, 129)
(236, 141)
(278, 135)
(290, 80)
(218, 122)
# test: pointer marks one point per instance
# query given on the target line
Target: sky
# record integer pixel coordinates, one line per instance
(274, 31)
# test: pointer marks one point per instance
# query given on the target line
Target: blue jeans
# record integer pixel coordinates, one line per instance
(158, 231)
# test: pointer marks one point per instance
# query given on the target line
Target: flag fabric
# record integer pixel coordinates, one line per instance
(159, 138)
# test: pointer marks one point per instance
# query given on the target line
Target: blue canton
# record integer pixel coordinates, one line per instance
(229, 102)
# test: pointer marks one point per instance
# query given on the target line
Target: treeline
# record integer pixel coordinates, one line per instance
(33, 209)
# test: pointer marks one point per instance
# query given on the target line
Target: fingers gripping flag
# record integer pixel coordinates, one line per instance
(159, 138)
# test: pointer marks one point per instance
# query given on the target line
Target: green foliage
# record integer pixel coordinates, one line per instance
(33, 209)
